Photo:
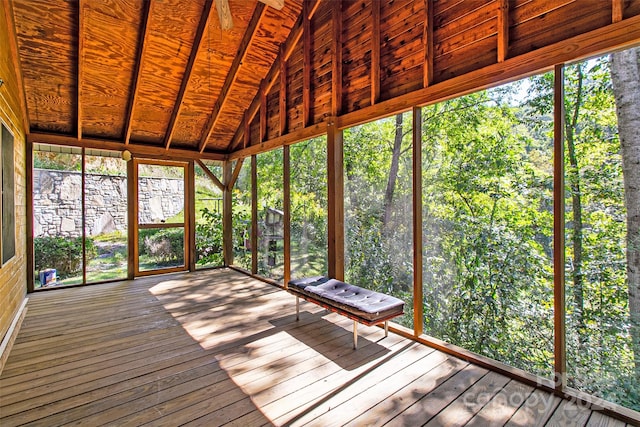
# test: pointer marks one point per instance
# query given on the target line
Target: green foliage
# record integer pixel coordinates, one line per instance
(164, 246)
(209, 238)
(62, 253)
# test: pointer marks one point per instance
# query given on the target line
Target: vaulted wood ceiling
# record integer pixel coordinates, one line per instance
(162, 77)
(156, 72)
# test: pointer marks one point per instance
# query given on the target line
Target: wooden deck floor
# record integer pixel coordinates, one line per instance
(218, 347)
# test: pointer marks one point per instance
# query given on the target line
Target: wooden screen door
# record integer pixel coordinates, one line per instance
(161, 230)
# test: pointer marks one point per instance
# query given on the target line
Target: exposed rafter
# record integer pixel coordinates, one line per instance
(205, 18)
(142, 46)
(375, 52)
(249, 35)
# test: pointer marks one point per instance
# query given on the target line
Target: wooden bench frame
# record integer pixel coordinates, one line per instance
(356, 319)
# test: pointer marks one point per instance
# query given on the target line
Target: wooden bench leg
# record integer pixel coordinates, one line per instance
(297, 308)
(355, 335)
(386, 328)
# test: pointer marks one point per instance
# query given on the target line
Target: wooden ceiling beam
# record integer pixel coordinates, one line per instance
(138, 150)
(80, 66)
(282, 94)
(236, 173)
(248, 37)
(210, 174)
(142, 47)
(205, 18)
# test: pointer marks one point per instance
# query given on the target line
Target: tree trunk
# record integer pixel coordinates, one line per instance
(625, 76)
(393, 172)
(576, 205)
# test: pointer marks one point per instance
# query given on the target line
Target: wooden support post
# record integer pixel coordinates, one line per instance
(254, 214)
(287, 213)
(190, 218)
(355, 335)
(29, 200)
(227, 214)
(83, 221)
(417, 223)
(558, 231)
(132, 218)
(335, 200)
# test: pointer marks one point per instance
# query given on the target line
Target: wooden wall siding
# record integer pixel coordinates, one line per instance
(630, 8)
(294, 89)
(47, 66)
(466, 38)
(356, 55)
(322, 33)
(273, 112)
(402, 47)
(539, 23)
(13, 275)
(104, 113)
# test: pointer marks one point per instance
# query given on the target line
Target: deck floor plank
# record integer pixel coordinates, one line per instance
(218, 347)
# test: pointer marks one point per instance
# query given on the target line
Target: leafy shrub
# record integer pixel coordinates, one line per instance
(209, 238)
(62, 253)
(164, 245)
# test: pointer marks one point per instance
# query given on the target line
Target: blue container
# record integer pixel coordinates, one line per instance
(47, 277)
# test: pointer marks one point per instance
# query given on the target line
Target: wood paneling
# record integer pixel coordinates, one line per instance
(13, 274)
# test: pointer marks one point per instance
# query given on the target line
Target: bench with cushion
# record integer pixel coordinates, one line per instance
(359, 304)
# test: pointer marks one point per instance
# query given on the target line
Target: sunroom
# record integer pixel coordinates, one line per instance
(169, 166)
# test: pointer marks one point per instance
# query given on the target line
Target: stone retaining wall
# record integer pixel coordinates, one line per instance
(57, 205)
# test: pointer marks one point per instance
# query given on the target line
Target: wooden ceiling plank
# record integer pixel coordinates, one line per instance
(15, 59)
(503, 30)
(80, 66)
(375, 52)
(428, 44)
(306, 64)
(142, 47)
(205, 19)
(248, 37)
(336, 65)
(138, 150)
(210, 174)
